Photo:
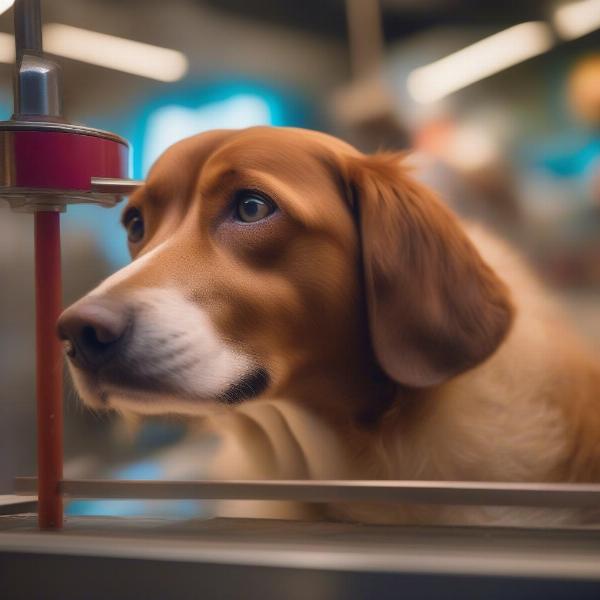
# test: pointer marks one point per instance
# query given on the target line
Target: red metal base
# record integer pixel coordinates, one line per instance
(46, 166)
(64, 160)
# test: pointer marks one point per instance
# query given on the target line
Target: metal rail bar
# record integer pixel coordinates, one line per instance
(110, 185)
(550, 495)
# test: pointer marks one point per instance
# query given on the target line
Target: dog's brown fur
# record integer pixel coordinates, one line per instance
(400, 343)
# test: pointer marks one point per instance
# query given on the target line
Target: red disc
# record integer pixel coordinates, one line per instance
(64, 161)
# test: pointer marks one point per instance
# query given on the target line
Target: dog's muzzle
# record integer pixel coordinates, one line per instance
(156, 342)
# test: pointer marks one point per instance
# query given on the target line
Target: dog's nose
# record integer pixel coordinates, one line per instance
(93, 330)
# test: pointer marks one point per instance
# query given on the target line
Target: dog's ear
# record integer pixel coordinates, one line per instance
(435, 307)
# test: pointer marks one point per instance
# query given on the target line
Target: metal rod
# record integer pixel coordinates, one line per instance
(365, 37)
(37, 85)
(28, 27)
(15, 505)
(110, 185)
(408, 492)
(48, 369)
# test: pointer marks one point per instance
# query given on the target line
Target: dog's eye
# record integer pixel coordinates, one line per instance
(251, 208)
(134, 223)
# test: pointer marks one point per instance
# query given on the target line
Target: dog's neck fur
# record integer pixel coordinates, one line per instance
(354, 391)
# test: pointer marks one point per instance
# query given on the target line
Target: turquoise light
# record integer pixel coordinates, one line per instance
(173, 122)
(144, 470)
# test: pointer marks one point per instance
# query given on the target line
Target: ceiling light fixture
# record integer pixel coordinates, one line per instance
(577, 18)
(484, 58)
(114, 52)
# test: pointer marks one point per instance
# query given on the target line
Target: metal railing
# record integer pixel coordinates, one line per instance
(550, 495)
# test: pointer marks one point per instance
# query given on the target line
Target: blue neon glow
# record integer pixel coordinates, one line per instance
(144, 470)
(173, 122)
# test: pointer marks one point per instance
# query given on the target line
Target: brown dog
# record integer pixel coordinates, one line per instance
(330, 318)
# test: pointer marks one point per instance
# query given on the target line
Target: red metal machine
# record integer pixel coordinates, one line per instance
(47, 163)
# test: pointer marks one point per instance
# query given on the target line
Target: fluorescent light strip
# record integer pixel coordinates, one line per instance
(114, 52)
(577, 18)
(7, 48)
(5, 5)
(482, 59)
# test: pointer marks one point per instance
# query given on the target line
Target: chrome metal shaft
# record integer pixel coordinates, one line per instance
(28, 27)
(37, 86)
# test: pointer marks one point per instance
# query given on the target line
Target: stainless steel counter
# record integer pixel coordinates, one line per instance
(251, 558)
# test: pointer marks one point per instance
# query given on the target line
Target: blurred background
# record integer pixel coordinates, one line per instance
(500, 102)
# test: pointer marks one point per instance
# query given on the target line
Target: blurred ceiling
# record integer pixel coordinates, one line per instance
(400, 17)
(299, 44)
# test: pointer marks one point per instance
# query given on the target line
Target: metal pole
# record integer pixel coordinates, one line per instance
(49, 363)
(47, 163)
(37, 89)
(37, 94)
(365, 37)
(28, 28)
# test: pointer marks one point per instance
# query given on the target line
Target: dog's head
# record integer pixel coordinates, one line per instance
(271, 258)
